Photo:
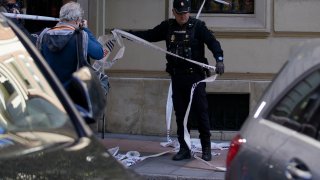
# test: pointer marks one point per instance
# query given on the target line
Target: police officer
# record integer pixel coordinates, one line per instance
(186, 36)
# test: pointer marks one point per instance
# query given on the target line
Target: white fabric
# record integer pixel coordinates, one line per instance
(185, 120)
(169, 112)
(119, 33)
(128, 161)
(132, 157)
(200, 10)
(113, 47)
(31, 17)
(222, 2)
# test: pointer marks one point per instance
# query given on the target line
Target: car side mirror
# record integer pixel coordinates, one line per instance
(85, 91)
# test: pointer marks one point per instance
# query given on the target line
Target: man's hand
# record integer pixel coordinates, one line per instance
(220, 68)
(84, 24)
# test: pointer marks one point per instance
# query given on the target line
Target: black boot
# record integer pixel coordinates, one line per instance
(183, 153)
(206, 153)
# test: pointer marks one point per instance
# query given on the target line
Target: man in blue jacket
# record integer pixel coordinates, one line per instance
(58, 45)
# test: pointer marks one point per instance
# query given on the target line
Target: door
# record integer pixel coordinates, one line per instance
(298, 112)
(296, 159)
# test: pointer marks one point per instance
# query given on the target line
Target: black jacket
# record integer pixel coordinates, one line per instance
(202, 35)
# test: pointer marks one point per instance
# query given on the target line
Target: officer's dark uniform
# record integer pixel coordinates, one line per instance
(187, 41)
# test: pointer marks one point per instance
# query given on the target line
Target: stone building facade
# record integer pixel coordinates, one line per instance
(256, 46)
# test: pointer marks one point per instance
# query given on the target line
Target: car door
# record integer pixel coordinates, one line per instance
(297, 114)
(296, 159)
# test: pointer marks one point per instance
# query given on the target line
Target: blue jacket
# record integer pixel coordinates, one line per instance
(58, 47)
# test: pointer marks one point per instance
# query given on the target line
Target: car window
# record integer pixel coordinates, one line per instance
(31, 115)
(298, 108)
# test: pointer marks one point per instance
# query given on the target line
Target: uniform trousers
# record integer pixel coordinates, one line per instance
(181, 89)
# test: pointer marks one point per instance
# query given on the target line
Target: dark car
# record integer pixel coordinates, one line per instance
(280, 139)
(42, 133)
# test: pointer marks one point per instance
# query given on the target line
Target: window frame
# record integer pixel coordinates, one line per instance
(259, 22)
(225, 9)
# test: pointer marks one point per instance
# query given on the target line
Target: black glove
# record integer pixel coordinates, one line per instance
(125, 37)
(220, 68)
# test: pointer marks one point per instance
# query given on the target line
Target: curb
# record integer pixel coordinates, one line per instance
(173, 177)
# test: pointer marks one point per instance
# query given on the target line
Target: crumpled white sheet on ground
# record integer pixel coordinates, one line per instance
(118, 35)
(196, 145)
(133, 157)
(196, 148)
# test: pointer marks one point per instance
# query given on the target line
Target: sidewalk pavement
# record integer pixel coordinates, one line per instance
(163, 167)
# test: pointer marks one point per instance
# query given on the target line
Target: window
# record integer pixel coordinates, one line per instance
(299, 109)
(247, 17)
(236, 7)
(31, 115)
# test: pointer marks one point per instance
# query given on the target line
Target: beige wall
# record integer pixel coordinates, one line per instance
(263, 55)
(296, 16)
(137, 14)
(254, 45)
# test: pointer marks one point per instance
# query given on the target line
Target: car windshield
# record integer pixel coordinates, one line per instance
(31, 115)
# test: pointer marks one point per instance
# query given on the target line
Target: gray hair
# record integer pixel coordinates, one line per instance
(71, 12)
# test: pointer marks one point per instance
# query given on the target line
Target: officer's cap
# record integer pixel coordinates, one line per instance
(182, 6)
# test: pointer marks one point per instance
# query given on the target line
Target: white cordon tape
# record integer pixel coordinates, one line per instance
(200, 10)
(30, 17)
(131, 154)
(132, 157)
(222, 2)
(169, 112)
(119, 34)
(185, 120)
(215, 168)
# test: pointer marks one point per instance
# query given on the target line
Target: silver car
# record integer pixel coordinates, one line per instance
(280, 138)
(42, 134)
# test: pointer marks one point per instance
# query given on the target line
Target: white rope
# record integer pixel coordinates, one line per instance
(30, 17)
(185, 120)
(169, 112)
(204, 1)
(200, 10)
(215, 168)
(133, 157)
(222, 2)
(120, 33)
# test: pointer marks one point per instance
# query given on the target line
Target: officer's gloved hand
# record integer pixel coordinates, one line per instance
(125, 37)
(220, 68)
